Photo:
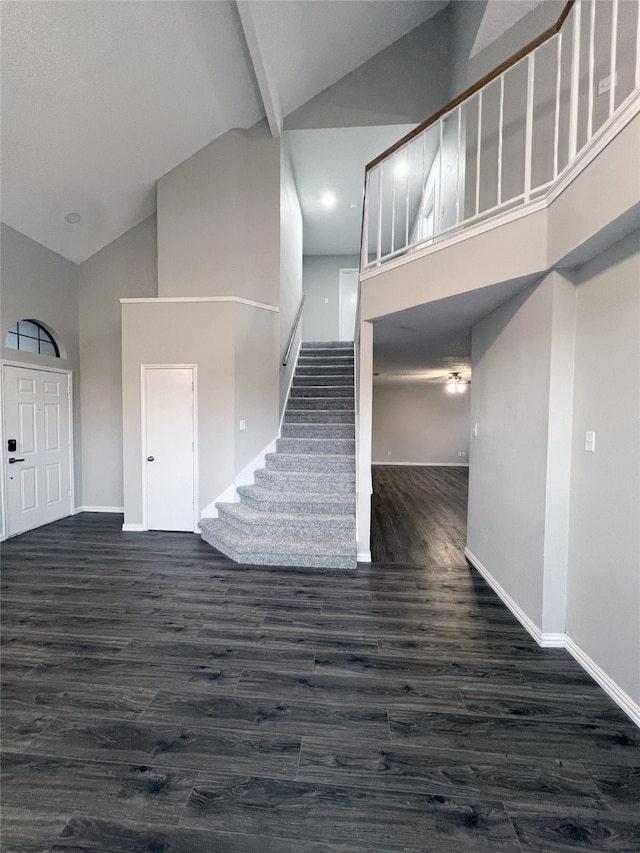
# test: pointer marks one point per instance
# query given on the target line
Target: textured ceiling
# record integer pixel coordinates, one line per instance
(100, 98)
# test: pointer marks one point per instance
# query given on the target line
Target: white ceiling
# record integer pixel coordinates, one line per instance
(101, 98)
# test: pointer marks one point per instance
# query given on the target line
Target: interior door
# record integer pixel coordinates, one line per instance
(37, 447)
(348, 303)
(169, 443)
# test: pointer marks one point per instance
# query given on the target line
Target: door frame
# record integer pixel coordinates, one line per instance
(143, 443)
(4, 533)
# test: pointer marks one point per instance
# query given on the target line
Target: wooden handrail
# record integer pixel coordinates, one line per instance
(497, 71)
(293, 332)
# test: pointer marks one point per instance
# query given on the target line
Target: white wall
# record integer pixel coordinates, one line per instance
(603, 612)
(419, 424)
(321, 287)
(290, 269)
(124, 268)
(219, 220)
(41, 285)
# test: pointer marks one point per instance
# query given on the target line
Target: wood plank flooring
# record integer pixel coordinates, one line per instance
(157, 697)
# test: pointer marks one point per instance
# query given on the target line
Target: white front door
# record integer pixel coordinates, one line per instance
(169, 447)
(348, 303)
(37, 447)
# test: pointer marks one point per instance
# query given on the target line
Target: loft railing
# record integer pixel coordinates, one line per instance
(505, 141)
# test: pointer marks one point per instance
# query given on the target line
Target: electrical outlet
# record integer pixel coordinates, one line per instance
(388, 453)
(243, 425)
(462, 453)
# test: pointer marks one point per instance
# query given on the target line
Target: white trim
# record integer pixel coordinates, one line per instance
(79, 509)
(560, 641)
(423, 464)
(244, 478)
(133, 528)
(517, 611)
(619, 696)
(625, 115)
(236, 299)
(143, 443)
(364, 556)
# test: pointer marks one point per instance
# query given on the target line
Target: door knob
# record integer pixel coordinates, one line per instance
(12, 459)
(150, 458)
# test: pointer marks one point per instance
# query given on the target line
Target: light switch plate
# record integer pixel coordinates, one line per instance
(590, 441)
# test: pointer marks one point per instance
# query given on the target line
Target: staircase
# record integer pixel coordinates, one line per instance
(301, 509)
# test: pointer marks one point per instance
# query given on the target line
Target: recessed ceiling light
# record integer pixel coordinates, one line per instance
(328, 200)
(73, 218)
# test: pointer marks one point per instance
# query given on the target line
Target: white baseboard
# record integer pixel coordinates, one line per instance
(133, 528)
(364, 556)
(517, 611)
(78, 509)
(619, 696)
(562, 641)
(423, 464)
(244, 478)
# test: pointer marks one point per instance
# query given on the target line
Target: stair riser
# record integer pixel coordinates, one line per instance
(318, 431)
(338, 446)
(335, 507)
(323, 381)
(337, 361)
(318, 370)
(324, 403)
(316, 528)
(302, 463)
(297, 484)
(331, 391)
(318, 416)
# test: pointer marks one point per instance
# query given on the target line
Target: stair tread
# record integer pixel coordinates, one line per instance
(248, 513)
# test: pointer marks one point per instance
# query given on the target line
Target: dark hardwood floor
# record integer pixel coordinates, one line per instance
(157, 697)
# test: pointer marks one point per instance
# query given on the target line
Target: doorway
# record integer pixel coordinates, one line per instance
(169, 447)
(37, 445)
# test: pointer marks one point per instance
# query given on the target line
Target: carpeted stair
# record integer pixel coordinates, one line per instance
(301, 509)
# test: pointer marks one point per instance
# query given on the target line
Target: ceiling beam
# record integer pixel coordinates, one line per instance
(266, 83)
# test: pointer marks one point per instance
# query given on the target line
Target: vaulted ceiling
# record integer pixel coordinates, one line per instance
(101, 98)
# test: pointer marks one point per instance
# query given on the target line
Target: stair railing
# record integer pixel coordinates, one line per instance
(294, 330)
(506, 140)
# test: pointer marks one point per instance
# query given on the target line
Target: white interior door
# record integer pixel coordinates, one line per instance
(37, 445)
(348, 303)
(169, 447)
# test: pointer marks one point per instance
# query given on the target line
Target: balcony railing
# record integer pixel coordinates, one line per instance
(504, 142)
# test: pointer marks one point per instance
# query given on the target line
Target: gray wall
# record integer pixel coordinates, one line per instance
(234, 347)
(124, 268)
(603, 612)
(219, 220)
(290, 268)
(419, 424)
(321, 287)
(466, 20)
(403, 84)
(42, 285)
(511, 363)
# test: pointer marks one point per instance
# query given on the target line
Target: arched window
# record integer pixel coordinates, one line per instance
(31, 336)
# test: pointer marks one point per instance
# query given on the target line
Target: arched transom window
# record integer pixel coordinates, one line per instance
(31, 336)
